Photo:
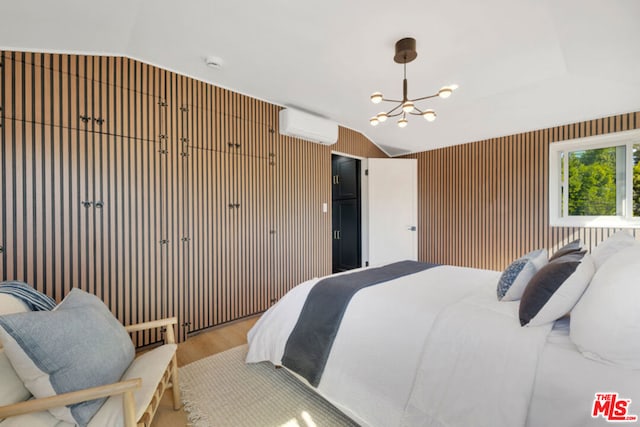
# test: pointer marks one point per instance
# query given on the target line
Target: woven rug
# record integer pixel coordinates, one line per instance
(221, 390)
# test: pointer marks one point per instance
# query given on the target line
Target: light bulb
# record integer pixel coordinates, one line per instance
(445, 92)
(374, 121)
(382, 117)
(402, 123)
(376, 98)
(407, 107)
(429, 115)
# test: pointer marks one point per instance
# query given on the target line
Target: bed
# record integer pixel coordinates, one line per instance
(437, 348)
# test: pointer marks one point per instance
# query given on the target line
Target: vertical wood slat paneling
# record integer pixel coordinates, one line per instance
(153, 147)
(354, 143)
(485, 204)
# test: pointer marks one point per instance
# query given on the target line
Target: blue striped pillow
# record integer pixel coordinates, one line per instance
(516, 276)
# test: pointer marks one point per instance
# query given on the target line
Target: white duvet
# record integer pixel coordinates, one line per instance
(436, 348)
(373, 363)
(478, 366)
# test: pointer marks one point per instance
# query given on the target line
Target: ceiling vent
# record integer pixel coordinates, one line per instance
(307, 126)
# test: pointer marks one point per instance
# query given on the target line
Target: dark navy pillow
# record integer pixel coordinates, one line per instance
(555, 289)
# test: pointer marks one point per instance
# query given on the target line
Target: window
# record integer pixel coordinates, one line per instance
(595, 182)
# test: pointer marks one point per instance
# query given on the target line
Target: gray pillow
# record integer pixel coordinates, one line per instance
(569, 248)
(516, 276)
(77, 345)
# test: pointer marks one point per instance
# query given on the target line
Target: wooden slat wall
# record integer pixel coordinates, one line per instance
(166, 155)
(485, 203)
(352, 142)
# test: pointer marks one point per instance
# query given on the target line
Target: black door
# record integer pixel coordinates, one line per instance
(347, 242)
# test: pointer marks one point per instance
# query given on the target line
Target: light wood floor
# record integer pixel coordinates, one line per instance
(198, 347)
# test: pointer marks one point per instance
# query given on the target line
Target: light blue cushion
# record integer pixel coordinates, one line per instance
(77, 345)
(517, 275)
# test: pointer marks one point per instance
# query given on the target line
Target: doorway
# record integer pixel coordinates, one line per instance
(346, 195)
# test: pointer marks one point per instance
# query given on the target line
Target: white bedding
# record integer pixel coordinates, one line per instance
(399, 348)
(373, 361)
(566, 383)
(478, 366)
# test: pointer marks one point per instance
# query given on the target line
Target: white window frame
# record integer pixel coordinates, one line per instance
(563, 219)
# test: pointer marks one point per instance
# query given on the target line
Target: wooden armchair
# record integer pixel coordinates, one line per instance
(133, 391)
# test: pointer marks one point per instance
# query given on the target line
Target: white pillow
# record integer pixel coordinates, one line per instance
(34, 419)
(10, 304)
(12, 389)
(605, 323)
(621, 240)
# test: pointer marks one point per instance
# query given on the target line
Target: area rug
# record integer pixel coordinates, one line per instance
(221, 390)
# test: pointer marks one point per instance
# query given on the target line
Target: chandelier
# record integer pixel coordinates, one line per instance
(405, 53)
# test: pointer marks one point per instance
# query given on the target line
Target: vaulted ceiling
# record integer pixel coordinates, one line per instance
(520, 64)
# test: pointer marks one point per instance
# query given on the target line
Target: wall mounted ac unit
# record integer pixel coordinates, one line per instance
(307, 126)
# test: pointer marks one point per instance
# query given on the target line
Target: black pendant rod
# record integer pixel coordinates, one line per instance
(404, 84)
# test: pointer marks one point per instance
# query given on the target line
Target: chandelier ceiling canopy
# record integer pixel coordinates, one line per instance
(405, 53)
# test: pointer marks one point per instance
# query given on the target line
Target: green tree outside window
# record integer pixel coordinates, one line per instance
(636, 180)
(592, 182)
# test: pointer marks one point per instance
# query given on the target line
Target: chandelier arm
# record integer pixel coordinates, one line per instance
(394, 109)
(424, 97)
(395, 115)
(419, 111)
(415, 114)
(391, 100)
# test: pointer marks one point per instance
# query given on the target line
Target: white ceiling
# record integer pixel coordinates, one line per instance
(520, 64)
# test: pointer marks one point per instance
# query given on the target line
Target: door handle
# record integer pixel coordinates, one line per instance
(412, 228)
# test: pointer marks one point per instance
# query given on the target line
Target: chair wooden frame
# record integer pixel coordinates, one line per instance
(126, 388)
